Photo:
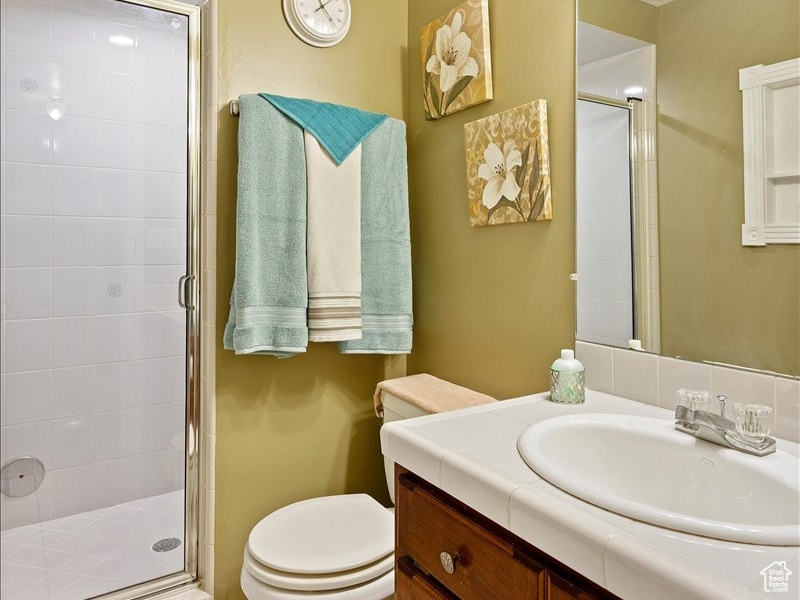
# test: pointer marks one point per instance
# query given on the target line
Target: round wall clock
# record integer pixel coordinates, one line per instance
(319, 23)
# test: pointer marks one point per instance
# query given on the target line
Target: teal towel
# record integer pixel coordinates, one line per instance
(385, 245)
(339, 129)
(270, 289)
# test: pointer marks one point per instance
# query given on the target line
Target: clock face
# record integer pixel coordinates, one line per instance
(318, 22)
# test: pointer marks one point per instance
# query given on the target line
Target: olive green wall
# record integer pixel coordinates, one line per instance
(719, 300)
(302, 427)
(633, 18)
(493, 305)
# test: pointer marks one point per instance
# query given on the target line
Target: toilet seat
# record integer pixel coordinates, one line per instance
(304, 582)
(326, 543)
(381, 588)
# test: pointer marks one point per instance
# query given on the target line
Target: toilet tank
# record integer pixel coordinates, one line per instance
(395, 409)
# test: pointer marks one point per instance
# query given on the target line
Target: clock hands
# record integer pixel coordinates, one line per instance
(325, 10)
(306, 22)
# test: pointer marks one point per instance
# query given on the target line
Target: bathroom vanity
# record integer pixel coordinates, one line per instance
(447, 550)
(474, 521)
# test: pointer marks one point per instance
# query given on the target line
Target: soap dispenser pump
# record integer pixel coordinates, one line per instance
(567, 379)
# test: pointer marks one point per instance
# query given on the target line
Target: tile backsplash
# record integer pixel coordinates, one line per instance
(654, 380)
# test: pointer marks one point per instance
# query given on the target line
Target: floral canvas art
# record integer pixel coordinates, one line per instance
(508, 166)
(456, 63)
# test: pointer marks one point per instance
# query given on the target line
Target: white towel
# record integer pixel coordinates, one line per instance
(333, 244)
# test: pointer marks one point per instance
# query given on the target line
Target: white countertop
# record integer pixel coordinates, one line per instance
(471, 454)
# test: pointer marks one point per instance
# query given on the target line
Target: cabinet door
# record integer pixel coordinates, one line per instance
(561, 589)
(411, 584)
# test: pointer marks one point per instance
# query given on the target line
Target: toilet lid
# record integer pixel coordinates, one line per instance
(324, 535)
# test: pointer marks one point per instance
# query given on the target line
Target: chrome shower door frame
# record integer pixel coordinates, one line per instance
(633, 108)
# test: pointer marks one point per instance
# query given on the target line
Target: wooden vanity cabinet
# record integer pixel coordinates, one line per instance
(447, 551)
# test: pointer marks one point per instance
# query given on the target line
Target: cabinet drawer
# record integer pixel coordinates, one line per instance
(414, 585)
(486, 567)
(561, 589)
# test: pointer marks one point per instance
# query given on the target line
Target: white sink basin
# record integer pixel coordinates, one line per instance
(643, 469)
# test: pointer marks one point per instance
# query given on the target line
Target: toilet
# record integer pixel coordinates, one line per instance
(329, 548)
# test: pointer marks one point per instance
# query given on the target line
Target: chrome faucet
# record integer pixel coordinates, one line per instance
(715, 428)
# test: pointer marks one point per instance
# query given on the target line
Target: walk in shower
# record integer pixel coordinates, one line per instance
(616, 191)
(99, 344)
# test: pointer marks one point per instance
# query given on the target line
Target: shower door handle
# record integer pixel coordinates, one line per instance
(185, 292)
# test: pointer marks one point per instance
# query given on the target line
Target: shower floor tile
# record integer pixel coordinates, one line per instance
(92, 553)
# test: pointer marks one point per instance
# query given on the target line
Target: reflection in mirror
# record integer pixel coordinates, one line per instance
(660, 182)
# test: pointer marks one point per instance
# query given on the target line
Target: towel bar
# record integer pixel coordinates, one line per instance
(234, 108)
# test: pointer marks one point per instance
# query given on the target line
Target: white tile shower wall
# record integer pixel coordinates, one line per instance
(654, 379)
(93, 242)
(619, 76)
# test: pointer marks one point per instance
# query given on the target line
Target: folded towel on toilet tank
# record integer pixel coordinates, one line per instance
(429, 393)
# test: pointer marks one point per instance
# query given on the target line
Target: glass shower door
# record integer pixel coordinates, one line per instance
(95, 210)
(603, 248)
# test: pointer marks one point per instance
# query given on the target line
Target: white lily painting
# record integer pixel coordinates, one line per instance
(508, 166)
(456, 64)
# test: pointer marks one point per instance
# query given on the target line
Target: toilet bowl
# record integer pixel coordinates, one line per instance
(329, 548)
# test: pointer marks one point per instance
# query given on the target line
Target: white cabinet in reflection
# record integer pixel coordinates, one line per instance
(771, 129)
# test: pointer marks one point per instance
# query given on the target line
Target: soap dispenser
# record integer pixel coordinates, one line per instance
(567, 379)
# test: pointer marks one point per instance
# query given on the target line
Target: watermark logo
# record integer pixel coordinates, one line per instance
(776, 577)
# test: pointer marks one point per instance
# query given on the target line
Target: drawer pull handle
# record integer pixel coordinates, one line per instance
(449, 561)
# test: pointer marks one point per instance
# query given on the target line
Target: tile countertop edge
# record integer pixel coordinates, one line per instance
(578, 534)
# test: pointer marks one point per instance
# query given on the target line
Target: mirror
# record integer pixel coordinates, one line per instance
(660, 182)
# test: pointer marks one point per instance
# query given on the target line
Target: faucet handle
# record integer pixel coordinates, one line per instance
(753, 421)
(692, 399)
